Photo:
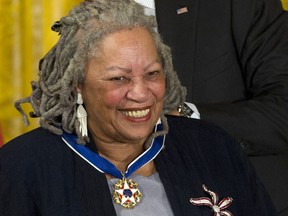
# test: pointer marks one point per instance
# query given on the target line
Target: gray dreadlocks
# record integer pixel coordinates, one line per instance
(63, 68)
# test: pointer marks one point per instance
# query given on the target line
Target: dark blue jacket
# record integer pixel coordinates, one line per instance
(40, 175)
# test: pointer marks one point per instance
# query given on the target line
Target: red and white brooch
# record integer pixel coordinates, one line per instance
(218, 208)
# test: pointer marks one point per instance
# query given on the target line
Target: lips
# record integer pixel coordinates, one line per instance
(136, 113)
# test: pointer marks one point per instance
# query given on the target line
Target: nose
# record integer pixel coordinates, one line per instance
(139, 90)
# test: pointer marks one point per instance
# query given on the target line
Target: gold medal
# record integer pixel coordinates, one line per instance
(126, 193)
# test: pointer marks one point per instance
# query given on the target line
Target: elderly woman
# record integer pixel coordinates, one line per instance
(103, 147)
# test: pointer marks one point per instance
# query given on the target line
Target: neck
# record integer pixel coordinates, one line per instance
(121, 155)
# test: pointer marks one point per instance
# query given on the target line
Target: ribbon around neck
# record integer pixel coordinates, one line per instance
(104, 166)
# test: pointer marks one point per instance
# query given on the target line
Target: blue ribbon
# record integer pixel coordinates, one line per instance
(105, 166)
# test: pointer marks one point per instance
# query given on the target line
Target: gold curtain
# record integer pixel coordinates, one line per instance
(25, 37)
(285, 4)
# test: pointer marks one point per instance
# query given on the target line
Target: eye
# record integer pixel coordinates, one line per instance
(120, 79)
(153, 74)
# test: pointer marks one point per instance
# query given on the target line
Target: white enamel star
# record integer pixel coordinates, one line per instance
(124, 193)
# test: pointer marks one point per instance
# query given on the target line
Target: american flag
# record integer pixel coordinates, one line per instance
(182, 10)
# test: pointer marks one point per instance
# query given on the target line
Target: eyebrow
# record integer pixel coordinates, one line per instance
(127, 70)
(156, 61)
(114, 67)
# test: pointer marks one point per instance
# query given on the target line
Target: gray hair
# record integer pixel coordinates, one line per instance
(63, 68)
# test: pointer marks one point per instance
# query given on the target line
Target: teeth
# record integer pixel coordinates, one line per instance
(136, 114)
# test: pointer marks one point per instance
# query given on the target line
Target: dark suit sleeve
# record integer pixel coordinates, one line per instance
(260, 31)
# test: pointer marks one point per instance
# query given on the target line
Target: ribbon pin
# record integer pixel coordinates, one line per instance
(218, 208)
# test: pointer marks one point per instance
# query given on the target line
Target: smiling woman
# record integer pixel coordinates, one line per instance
(106, 145)
(127, 84)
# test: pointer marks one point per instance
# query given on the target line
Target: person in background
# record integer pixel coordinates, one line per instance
(105, 145)
(232, 57)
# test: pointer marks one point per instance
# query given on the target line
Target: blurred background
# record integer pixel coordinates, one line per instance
(25, 37)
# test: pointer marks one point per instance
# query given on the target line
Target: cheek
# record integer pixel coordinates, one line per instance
(114, 97)
(158, 90)
(93, 95)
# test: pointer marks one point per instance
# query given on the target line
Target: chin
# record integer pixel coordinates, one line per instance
(138, 134)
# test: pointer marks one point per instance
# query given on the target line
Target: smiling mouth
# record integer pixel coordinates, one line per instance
(136, 113)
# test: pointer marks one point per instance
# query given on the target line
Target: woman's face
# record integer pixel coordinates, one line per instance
(124, 87)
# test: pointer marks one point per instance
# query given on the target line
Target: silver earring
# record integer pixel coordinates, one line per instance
(82, 116)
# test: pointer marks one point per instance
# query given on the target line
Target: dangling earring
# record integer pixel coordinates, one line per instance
(82, 116)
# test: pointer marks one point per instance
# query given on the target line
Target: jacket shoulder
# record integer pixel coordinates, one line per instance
(30, 147)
